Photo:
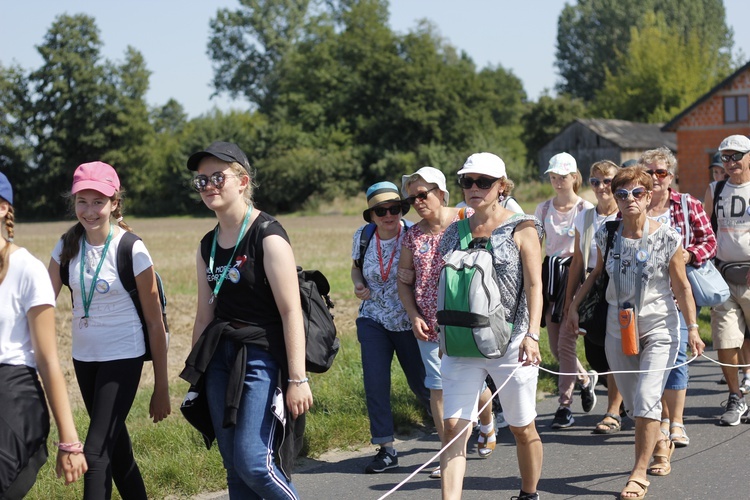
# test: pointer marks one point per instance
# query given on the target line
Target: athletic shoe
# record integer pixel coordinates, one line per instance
(734, 409)
(745, 387)
(500, 421)
(382, 461)
(588, 394)
(526, 496)
(563, 418)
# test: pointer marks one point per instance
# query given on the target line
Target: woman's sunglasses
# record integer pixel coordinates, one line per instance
(624, 194)
(217, 179)
(595, 183)
(481, 182)
(411, 200)
(381, 211)
(660, 173)
(732, 157)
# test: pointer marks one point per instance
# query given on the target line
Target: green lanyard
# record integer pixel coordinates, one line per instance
(213, 253)
(86, 298)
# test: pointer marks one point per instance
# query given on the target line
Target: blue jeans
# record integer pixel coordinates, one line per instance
(247, 448)
(377, 346)
(678, 377)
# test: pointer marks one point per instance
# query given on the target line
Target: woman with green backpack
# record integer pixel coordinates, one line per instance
(516, 259)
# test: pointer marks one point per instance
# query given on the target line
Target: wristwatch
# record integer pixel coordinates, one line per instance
(533, 336)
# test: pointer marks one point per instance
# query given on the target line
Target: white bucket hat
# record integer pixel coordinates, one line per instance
(431, 175)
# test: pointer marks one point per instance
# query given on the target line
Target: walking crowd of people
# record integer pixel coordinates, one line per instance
(636, 248)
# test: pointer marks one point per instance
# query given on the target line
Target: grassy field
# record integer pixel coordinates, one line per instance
(171, 455)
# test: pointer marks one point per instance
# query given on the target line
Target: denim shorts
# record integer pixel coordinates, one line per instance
(431, 359)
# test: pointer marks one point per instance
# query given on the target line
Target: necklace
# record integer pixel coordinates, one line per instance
(386, 272)
(88, 297)
(607, 214)
(248, 211)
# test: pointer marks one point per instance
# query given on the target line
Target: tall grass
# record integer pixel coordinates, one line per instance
(171, 455)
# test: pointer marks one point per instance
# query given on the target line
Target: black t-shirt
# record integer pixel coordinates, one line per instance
(245, 295)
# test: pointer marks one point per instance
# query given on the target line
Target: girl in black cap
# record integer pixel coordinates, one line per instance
(248, 339)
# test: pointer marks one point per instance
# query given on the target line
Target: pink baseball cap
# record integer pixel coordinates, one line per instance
(98, 176)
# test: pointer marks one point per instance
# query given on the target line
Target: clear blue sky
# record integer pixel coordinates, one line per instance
(172, 36)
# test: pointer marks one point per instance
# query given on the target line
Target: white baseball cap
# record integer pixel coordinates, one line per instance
(430, 175)
(739, 143)
(562, 164)
(484, 163)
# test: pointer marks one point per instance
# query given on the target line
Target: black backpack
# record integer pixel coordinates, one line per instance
(321, 343)
(125, 272)
(718, 188)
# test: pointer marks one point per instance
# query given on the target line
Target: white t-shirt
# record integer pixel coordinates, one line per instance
(733, 217)
(114, 330)
(25, 286)
(558, 226)
(599, 221)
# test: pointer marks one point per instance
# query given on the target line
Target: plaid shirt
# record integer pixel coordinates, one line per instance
(702, 243)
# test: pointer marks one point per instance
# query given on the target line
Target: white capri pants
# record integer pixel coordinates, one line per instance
(463, 381)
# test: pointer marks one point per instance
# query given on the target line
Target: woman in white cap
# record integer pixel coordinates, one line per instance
(514, 240)
(557, 215)
(383, 327)
(420, 265)
(108, 340)
(28, 345)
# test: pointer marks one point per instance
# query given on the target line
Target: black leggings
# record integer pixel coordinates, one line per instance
(108, 389)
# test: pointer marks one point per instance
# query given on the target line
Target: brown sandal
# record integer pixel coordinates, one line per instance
(485, 447)
(640, 488)
(661, 465)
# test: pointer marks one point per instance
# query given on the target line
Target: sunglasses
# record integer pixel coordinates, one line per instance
(594, 182)
(217, 179)
(638, 193)
(481, 182)
(411, 200)
(660, 173)
(381, 211)
(732, 157)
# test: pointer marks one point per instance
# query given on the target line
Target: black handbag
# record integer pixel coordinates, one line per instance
(592, 311)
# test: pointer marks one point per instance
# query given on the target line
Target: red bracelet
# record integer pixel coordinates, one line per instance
(76, 447)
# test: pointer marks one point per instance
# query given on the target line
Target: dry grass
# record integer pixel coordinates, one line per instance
(319, 242)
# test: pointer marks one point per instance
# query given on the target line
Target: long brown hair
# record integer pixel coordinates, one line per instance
(5, 252)
(72, 237)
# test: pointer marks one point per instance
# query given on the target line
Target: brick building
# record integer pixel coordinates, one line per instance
(722, 111)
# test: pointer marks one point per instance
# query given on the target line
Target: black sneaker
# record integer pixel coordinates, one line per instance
(382, 461)
(563, 418)
(734, 409)
(588, 395)
(526, 496)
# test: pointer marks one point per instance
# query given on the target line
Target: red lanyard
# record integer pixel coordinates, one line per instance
(386, 272)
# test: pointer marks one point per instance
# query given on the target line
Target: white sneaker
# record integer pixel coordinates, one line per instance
(745, 386)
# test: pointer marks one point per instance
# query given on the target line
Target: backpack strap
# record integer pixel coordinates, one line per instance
(686, 220)
(364, 241)
(545, 210)
(464, 233)
(717, 191)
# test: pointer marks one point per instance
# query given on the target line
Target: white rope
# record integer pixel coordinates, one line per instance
(470, 424)
(437, 455)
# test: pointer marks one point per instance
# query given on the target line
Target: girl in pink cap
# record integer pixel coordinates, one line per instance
(109, 345)
(28, 346)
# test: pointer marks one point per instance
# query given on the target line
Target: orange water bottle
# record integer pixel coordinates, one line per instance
(628, 330)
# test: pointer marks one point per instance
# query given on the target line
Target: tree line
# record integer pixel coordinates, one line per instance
(335, 99)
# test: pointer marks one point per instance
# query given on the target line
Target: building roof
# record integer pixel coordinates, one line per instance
(670, 126)
(631, 135)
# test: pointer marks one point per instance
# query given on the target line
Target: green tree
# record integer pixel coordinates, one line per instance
(591, 33)
(545, 119)
(661, 73)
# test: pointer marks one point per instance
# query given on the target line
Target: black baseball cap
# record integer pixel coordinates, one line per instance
(225, 151)
(716, 161)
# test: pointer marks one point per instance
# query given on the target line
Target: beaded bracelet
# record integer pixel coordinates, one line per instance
(76, 447)
(298, 382)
